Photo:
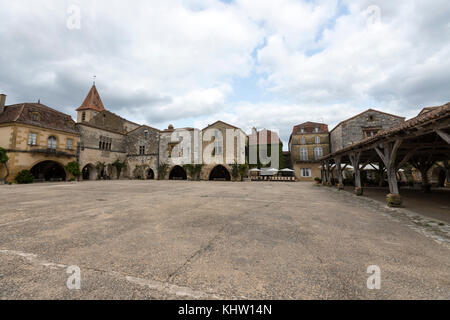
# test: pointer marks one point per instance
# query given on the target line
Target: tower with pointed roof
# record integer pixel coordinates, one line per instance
(91, 106)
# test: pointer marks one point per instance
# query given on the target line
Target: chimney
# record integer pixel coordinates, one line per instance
(2, 103)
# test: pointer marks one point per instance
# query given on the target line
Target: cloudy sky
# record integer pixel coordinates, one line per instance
(252, 63)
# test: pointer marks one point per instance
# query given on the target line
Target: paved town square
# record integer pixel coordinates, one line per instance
(214, 240)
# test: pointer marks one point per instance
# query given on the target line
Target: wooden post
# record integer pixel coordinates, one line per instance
(322, 171)
(328, 174)
(355, 160)
(337, 160)
(389, 156)
(424, 165)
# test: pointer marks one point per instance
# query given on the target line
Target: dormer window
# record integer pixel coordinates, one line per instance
(371, 118)
(35, 116)
(70, 124)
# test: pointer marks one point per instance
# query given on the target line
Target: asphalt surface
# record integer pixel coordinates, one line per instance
(214, 240)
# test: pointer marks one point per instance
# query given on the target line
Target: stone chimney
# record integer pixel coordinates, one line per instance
(2, 103)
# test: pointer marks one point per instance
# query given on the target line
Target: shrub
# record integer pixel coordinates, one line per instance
(24, 177)
(119, 165)
(162, 171)
(317, 179)
(74, 169)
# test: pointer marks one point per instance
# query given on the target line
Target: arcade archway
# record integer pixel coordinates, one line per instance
(48, 171)
(220, 173)
(177, 173)
(89, 172)
(150, 174)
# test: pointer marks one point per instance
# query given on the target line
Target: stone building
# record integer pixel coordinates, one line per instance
(37, 138)
(223, 145)
(308, 143)
(363, 125)
(268, 144)
(107, 138)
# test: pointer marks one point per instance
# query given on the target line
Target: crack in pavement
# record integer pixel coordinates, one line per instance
(165, 287)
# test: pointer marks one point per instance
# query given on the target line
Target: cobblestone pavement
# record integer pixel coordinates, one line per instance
(214, 240)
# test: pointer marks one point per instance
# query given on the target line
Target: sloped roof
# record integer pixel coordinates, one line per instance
(436, 113)
(48, 118)
(92, 101)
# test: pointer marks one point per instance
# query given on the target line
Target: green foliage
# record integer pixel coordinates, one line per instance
(24, 177)
(317, 179)
(235, 171)
(3, 156)
(243, 168)
(193, 170)
(73, 168)
(4, 160)
(119, 165)
(162, 170)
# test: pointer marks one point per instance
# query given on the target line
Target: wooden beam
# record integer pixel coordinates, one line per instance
(406, 158)
(443, 135)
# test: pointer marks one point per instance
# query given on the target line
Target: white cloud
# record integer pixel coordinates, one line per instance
(164, 61)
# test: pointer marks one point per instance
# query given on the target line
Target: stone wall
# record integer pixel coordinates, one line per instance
(352, 130)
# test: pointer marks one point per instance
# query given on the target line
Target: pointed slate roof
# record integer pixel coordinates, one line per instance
(92, 101)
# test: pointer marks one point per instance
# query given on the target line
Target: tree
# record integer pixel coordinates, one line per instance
(119, 165)
(162, 171)
(74, 169)
(243, 171)
(4, 160)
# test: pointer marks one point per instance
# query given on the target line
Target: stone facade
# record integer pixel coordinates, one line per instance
(308, 143)
(39, 139)
(361, 126)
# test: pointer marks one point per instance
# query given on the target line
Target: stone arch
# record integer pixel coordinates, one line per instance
(150, 174)
(49, 170)
(177, 173)
(89, 172)
(438, 176)
(219, 173)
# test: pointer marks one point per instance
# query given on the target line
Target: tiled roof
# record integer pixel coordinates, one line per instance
(434, 114)
(48, 118)
(92, 101)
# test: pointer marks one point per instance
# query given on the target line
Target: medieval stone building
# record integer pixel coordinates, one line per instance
(363, 125)
(107, 138)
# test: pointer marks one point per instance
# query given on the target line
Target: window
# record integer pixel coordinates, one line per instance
(318, 153)
(69, 144)
(302, 130)
(70, 124)
(317, 140)
(371, 118)
(83, 116)
(305, 172)
(105, 143)
(303, 140)
(218, 147)
(142, 150)
(52, 143)
(304, 154)
(146, 134)
(32, 139)
(36, 116)
(316, 129)
(370, 132)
